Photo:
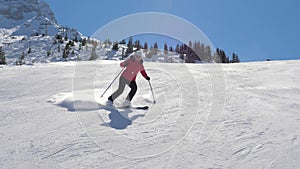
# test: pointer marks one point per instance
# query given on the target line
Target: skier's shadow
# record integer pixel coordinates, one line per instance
(120, 121)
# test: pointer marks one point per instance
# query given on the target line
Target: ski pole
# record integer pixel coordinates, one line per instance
(113, 81)
(152, 92)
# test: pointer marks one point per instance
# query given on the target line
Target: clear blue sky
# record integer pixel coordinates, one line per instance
(254, 29)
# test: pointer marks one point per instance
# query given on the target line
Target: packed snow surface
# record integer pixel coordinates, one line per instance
(242, 115)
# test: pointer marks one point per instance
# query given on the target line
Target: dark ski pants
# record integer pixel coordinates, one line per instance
(122, 83)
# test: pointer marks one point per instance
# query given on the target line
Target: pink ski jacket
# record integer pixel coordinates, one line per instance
(133, 67)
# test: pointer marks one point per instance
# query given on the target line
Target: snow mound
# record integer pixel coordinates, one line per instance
(82, 102)
(85, 100)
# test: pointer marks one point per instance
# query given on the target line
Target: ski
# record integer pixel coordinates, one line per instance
(134, 107)
(105, 106)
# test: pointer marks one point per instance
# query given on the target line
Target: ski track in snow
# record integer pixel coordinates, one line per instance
(51, 117)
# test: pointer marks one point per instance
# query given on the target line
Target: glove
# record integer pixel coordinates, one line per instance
(148, 78)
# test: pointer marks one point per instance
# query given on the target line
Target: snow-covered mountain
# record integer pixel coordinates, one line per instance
(15, 13)
(37, 25)
(31, 17)
(29, 28)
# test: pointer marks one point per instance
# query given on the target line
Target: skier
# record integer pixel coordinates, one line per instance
(133, 65)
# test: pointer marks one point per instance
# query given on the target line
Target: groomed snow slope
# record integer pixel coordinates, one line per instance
(50, 117)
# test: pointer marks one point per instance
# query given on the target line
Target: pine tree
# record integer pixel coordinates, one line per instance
(83, 43)
(155, 49)
(65, 55)
(202, 50)
(129, 46)
(93, 54)
(67, 47)
(79, 47)
(58, 37)
(137, 45)
(177, 49)
(107, 42)
(222, 56)
(123, 42)
(76, 39)
(115, 46)
(155, 46)
(22, 56)
(165, 48)
(145, 45)
(207, 54)
(2, 57)
(190, 44)
(235, 58)
(66, 51)
(71, 43)
(48, 53)
(20, 59)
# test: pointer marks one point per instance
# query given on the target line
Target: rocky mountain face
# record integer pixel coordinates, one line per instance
(28, 32)
(31, 17)
(16, 12)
